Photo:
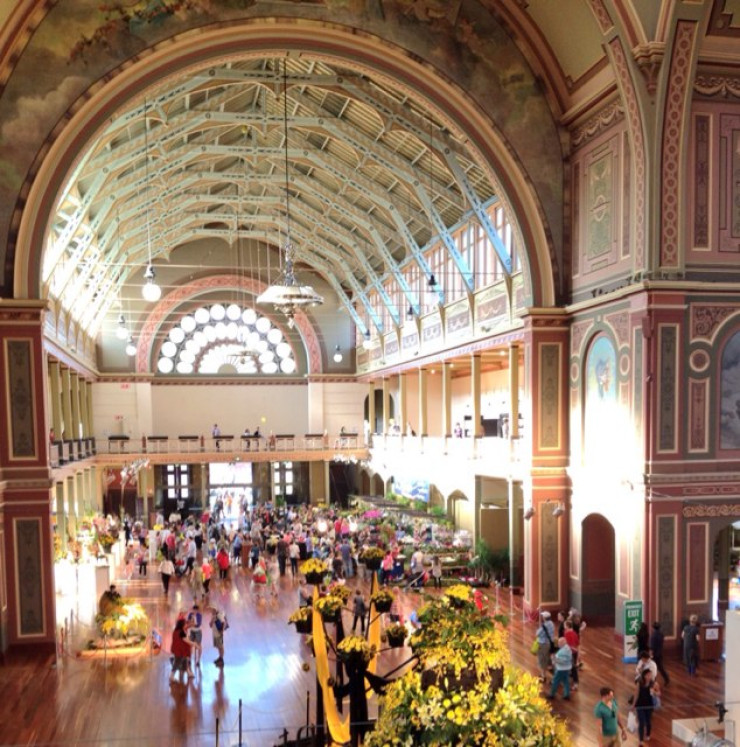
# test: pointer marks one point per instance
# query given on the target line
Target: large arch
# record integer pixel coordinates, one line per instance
(87, 115)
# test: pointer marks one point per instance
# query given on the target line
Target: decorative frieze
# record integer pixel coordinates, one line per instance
(602, 121)
(717, 86)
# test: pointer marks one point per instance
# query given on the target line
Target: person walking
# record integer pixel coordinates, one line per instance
(195, 632)
(437, 571)
(218, 624)
(222, 559)
(166, 570)
(545, 635)
(690, 637)
(573, 640)
(294, 552)
(656, 648)
(563, 664)
(207, 571)
(282, 554)
(611, 731)
(644, 705)
(359, 609)
(181, 648)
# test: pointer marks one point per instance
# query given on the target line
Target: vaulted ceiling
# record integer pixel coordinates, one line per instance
(366, 177)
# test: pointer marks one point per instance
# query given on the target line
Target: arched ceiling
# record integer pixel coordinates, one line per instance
(372, 177)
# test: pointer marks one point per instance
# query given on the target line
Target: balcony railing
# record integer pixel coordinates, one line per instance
(62, 452)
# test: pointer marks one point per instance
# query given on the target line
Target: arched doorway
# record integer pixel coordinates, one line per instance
(377, 486)
(726, 554)
(597, 570)
(377, 426)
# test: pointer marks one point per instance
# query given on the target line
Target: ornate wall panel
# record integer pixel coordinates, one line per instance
(600, 207)
(20, 380)
(666, 569)
(550, 565)
(701, 172)
(29, 576)
(729, 164)
(698, 416)
(549, 384)
(667, 388)
(697, 558)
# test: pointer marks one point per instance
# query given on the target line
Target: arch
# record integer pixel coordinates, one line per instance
(598, 569)
(363, 51)
(377, 486)
(168, 303)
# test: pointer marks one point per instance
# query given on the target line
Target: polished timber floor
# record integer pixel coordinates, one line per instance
(73, 701)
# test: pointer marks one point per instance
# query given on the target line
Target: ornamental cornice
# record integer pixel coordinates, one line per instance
(607, 117)
(717, 86)
(695, 511)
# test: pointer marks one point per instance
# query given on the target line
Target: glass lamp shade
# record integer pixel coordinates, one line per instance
(122, 329)
(338, 355)
(130, 347)
(151, 291)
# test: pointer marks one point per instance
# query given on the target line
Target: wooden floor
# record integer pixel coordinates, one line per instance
(111, 702)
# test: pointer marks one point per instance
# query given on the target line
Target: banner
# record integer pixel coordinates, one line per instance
(632, 622)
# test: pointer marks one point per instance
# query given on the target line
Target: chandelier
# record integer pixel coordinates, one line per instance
(287, 295)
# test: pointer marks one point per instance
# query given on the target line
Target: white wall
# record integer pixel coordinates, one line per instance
(344, 404)
(192, 410)
(122, 408)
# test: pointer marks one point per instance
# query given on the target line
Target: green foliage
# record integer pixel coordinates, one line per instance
(490, 564)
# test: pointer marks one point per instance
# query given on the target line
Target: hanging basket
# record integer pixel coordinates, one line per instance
(372, 564)
(396, 641)
(354, 662)
(383, 605)
(303, 626)
(331, 617)
(315, 578)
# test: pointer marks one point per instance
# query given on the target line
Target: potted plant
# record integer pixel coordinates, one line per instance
(395, 635)
(458, 595)
(382, 599)
(355, 652)
(329, 607)
(372, 557)
(341, 591)
(314, 570)
(302, 619)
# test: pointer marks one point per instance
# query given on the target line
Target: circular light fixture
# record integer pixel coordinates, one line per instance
(263, 325)
(221, 331)
(282, 349)
(184, 367)
(122, 329)
(177, 335)
(188, 323)
(130, 347)
(249, 316)
(169, 349)
(287, 365)
(150, 290)
(274, 336)
(233, 312)
(186, 357)
(267, 356)
(338, 354)
(218, 312)
(269, 368)
(210, 333)
(201, 315)
(165, 365)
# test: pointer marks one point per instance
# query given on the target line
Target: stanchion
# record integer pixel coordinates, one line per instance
(217, 731)
(240, 722)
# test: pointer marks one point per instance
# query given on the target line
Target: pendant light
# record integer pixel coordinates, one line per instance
(150, 290)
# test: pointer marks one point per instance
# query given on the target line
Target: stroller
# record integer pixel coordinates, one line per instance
(416, 580)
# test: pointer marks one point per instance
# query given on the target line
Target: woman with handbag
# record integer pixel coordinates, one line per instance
(545, 637)
(647, 694)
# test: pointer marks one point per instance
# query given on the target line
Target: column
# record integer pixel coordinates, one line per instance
(446, 399)
(27, 565)
(545, 414)
(67, 425)
(144, 490)
(403, 415)
(423, 402)
(90, 419)
(55, 399)
(327, 483)
(723, 572)
(476, 428)
(61, 516)
(83, 385)
(386, 405)
(515, 534)
(71, 505)
(513, 391)
(371, 406)
(74, 392)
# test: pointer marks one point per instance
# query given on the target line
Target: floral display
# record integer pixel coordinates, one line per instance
(458, 594)
(464, 691)
(395, 634)
(301, 614)
(314, 565)
(357, 648)
(340, 591)
(382, 599)
(329, 606)
(371, 553)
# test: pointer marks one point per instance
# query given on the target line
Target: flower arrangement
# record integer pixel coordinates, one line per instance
(302, 613)
(372, 553)
(458, 594)
(302, 619)
(355, 647)
(106, 540)
(126, 623)
(328, 607)
(464, 691)
(315, 570)
(395, 635)
(382, 599)
(341, 591)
